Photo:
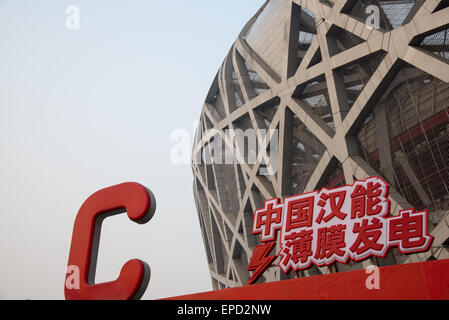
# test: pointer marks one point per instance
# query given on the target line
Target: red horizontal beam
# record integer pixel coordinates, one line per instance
(418, 281)
(418, 130)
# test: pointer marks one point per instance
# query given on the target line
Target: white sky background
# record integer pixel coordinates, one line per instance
(84, 110)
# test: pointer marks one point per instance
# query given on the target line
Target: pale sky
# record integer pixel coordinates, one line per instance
(81, 110)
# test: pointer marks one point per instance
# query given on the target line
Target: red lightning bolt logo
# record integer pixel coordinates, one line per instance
(260, 261)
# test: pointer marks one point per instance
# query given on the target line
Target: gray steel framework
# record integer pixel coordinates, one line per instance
(348, 101)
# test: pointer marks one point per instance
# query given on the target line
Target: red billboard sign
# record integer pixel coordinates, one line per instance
(335, 225)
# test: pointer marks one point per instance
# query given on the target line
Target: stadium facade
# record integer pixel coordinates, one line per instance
(342, 101)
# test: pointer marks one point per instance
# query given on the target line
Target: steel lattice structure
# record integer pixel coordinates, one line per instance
(348, 101)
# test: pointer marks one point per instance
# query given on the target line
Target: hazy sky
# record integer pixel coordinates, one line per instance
(85, 109)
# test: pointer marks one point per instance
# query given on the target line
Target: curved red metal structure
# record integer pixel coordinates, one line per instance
(140, 205)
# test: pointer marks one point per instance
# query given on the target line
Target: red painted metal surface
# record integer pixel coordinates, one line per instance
(418, 281)
(139, 203)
